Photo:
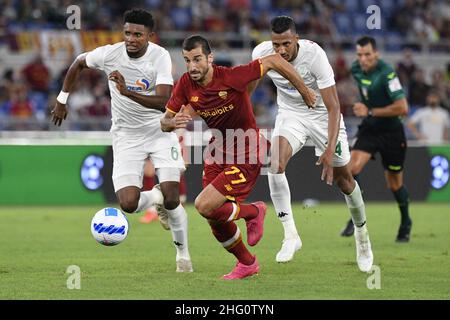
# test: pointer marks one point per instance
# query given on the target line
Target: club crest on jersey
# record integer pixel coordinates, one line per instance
(194, 99)
(223, 94)
(141, 85)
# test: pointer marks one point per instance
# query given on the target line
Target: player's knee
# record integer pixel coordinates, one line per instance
(394, 185)
(345, 184)
(171, 203)
(202, 207)
(129, 205)
(170, 191)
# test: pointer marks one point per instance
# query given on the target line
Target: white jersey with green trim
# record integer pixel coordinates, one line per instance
(142, 75)
(313, 66)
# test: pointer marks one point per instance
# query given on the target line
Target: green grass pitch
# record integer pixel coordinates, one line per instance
(39, 243)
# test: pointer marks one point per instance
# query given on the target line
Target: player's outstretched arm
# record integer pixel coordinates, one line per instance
(157, 101)
(59, 112)
(284, 68)
(171, 121)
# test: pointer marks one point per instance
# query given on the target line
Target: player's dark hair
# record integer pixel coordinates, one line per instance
(282, 24)
(139, 16)
(192, 42)
(365, 40)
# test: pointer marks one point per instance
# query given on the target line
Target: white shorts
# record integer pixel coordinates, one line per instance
(298, 129)
(132, 147)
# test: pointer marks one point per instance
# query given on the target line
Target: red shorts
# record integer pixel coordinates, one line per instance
(235, 182)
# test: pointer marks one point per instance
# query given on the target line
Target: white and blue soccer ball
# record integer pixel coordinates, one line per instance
(109, 226)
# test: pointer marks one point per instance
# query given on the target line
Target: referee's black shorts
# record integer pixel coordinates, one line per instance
(390, 144)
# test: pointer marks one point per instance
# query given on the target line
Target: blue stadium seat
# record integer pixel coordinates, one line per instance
(359, 23)
(181, 17)
(366, 3)
(352, 6)
(261, 5)
(387, 7)
(343, 23)
(153, 3)
(393, 41)
(280, 12)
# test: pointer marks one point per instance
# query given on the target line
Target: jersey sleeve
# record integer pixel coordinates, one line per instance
(322, 70)
(164, 69)
(240, 76)
(255, 53)
(95, 59)
(258, 51)
(393, 86)
(179, 96)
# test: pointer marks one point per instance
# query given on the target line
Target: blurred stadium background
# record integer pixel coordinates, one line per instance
(37, 47)
(62, 175)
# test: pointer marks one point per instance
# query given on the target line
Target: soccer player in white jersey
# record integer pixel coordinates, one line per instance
(140, 82)
(322, 125)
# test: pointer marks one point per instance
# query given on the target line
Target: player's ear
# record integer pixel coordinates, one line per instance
(210, 58)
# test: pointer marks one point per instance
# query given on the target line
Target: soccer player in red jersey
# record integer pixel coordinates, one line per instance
(220, 96)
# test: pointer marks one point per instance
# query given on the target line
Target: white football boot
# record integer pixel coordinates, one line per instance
(364, 256)
(184, 265)
(288, 249)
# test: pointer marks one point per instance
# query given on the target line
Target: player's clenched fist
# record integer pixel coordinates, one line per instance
(310, 98)
(182, 118)
(177, 121)
(118, 78)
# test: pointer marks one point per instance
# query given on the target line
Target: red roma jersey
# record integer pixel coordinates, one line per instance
(224, 103)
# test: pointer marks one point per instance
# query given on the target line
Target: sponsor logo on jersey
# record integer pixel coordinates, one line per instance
(394, 85)
(215, 111)
(141, 85)
(289, 86)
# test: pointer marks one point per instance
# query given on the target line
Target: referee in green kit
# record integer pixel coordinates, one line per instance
(382, 105)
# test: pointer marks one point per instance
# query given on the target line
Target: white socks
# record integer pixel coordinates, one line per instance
(149, 198)
(281, 198)
(179, 228)
(355, 204)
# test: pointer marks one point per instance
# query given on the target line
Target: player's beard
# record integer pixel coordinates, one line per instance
(199, 76)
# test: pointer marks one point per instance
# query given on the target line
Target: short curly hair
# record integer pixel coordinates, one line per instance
(139, 16)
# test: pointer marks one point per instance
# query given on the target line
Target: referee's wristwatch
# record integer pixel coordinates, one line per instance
(370, 113)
